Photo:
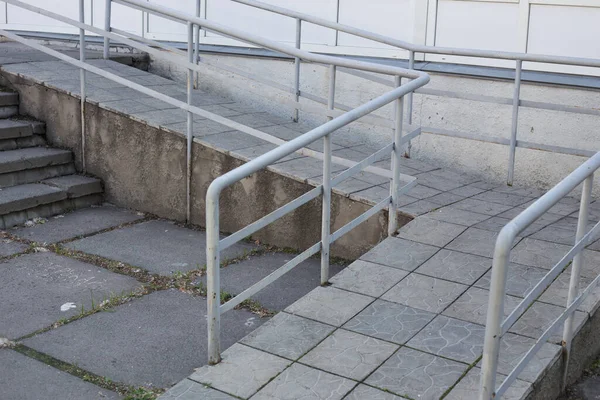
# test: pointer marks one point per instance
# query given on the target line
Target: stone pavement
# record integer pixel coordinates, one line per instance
(403, 321)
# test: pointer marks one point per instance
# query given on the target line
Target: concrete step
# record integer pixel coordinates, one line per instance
(14, 128)
(23, 142)
(22, 197)
(35, 175)
(31, 158)
(9, 98)
(8, 111)
(76, 185)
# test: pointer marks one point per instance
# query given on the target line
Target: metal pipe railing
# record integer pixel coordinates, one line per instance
(495, 328)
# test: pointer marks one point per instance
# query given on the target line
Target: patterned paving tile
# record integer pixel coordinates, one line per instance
(495, 224)
(417, 375)
(364, 392)
(520, 280)
(565, 206)
(451, 338)
(539, 317)
(472, 306)
(481, 207)
(457, 267)
(423, 192)
(507, 199)
(330, 305)
(468, 388)
(288, 335)
(367, 278)
(475, 241)
(467, 191)
(425, 293)
(430, 231)
(457, 216)
(190, 390)
(521, 191)
(438, 182)
(349, 354)
(538, 253)
(554, 234)
(302, 382)
(419, 207)
(446, 198)
(389, 321)
(400, 253)
(558, 292)
(242, 372)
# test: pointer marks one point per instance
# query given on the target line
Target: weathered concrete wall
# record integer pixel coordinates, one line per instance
(488, 161)
(144, 168)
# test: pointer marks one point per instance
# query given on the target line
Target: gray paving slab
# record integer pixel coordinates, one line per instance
(76, 224)
(190, 390)
(430, 231)
(481, 207)
(349, 354)
(129, 106)
(416, 374)
(146, 341)
(472, 306)
(475, 241)
(507, 199)
(24, 378)
(565, 206)
(451, 338)
(157, 246)
(521, 279)
(9, 247)
(330, 305)
(400, 253)
(467, 191)
(468, 387)
(389, 321)
(42, 288)
(423, 192)
(419, 207)
(540, 316)
(302, 382)
(362, 392)
(446, 198)
(284, 291)
(558, 292)
(367, 278)
(495, 224)
(242, 372)
(520, 191)
(457, 216)
(232, 140)
(288, 335)
(425, 293)
(455, 266)
(538, 253)
(437, 182)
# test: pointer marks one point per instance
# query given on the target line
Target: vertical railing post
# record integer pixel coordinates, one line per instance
(396, 154)
(107, 16)
(82, 82)
(515, 124)
(213, 281)
(495, 315)
(409, 107)
(190, 123)
(326, 218)
(197, 45)
(297, 63)
(576, 272)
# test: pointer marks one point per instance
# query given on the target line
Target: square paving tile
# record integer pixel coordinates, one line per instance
(190, 390)
(451, 338)
(446, 198)
(363, 392)
(520, 279)
(423, 192)
(472, 306)
(540, 316)
(554, 234)
(157, 246)
(288, 335)
(457, 216)
(24, 378)
(475, 241)
(417, 375)
(430, 231)
(330, 305)
(435, 181)
(302, 382)
(145, 341)
(481, 207)
(538, 253)
(468, 388)
(455, 266)
(349, 354)
(558, 292)
(425, 293)
(419, 207)
(495, 224)
(242, 371)
(565, 206)
(41, 288)
(367, 278)
(75, 224)
(507, 199)
(389, 321)
(467, 191)
(400, 253)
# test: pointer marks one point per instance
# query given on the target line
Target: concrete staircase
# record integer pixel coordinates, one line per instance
(36, 181)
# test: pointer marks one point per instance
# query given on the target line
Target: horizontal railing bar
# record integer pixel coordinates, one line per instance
(542, 340)
(502, 55)
(410, 136)
(464, 96)
(270, 218)
(151, 42)
(360, 219)
(462, 135)
(373, 158)
(368, 76)
(272, 277)
(559, 107)
(543, 284)
(554, 149)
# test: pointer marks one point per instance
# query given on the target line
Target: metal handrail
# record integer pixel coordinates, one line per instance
(519, 58)
(495, 326)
